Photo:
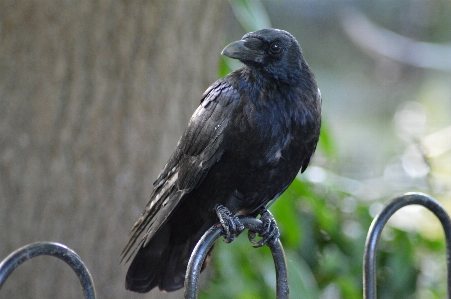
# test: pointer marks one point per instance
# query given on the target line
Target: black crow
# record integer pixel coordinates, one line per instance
(252, 133)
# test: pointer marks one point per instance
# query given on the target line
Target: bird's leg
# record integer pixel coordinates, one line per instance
(231, 224)
(270, 232)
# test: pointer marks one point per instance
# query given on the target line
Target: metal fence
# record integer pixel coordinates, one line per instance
(200, 251)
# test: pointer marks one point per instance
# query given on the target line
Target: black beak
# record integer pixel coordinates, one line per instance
(245, 50)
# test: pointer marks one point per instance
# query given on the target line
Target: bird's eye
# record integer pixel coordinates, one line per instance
(276, 47)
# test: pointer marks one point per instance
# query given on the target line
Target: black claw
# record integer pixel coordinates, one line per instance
(231, 224)
(269, 233)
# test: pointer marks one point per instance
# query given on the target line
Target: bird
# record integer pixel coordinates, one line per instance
(253, 132)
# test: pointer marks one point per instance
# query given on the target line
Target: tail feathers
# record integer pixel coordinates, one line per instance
(142, 275)
(173, 273)
(161, 264)
(139, 278)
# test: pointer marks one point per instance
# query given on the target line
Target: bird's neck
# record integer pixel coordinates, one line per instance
(259, 79)
(258, 76)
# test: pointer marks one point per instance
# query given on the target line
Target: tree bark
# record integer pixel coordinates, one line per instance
(93, 98)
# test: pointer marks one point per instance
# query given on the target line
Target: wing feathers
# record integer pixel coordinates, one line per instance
(200, 147)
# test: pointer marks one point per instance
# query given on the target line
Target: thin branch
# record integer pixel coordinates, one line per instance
(374, 38)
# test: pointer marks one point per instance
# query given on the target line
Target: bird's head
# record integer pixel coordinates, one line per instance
(271, 52)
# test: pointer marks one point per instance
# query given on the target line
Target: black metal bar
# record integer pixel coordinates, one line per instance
(207, 241)
(370, 254)
(60, 251)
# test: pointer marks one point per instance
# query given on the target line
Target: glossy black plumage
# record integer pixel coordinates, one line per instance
(253, 132)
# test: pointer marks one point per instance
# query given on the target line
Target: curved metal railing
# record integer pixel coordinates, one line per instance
(207, 241)
(60, 251)
(370, 253)
(64, 253)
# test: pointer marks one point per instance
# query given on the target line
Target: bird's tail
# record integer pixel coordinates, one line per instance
(162, 262)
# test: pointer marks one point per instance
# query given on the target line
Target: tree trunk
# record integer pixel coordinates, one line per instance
(93, 98)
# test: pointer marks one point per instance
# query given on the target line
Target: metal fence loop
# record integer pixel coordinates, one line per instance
(60, 251)
(370, 253)
(207, 241)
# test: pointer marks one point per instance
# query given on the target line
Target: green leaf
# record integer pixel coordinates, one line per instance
(326, 143)
(251, 15)
(301, 279)
(227, 65)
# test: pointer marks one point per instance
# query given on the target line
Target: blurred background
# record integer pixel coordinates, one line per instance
(94, 96)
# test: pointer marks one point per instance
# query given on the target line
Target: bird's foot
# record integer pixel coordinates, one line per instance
(231, 224)
(270, 232)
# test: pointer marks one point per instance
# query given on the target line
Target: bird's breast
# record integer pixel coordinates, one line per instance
(265, 138)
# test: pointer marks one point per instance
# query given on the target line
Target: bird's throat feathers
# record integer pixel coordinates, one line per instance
(266, 93)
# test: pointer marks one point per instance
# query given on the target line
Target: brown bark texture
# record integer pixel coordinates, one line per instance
(93, 98)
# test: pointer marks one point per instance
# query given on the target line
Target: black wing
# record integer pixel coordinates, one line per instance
(314, 142)
(197, 150)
